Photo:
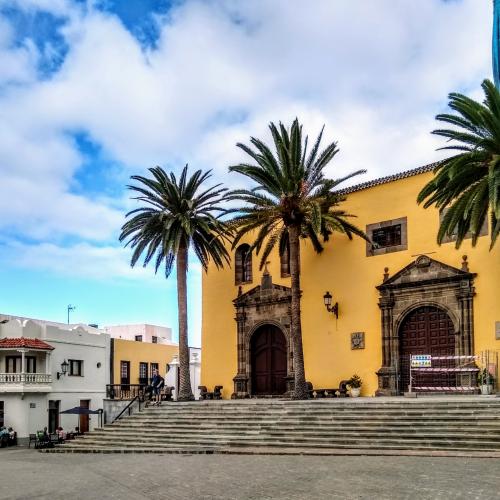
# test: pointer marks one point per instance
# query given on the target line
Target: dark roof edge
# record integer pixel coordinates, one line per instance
(389, 178)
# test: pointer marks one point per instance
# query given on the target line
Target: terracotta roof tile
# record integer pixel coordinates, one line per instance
(389, 178)
(25, 342)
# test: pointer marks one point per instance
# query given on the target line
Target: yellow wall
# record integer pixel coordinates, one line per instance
(345, 270)
(140, 352)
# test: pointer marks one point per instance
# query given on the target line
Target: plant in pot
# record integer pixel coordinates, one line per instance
(354, 384)
(485, 381)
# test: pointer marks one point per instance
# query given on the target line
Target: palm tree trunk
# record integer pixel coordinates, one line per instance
(300, 391)
(184, 390)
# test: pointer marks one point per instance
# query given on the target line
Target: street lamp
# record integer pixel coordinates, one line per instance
(327, 299)
(64, 369)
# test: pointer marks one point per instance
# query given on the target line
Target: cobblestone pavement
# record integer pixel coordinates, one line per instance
(29, 474)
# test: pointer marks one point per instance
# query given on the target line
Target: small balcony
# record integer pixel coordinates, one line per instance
(25, 382)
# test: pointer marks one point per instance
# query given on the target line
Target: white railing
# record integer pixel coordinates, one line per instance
(25, 378)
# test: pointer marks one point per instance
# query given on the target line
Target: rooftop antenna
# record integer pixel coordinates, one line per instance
(70, 309)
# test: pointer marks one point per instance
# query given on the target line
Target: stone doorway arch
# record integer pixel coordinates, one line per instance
(265, 306)
(423, 283)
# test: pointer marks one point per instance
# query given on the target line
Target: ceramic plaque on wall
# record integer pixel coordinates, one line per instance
(358, 340)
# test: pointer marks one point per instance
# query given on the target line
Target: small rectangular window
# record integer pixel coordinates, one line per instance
(125, 372)
(138, 338)
(75, 367)
(154, 339)
(154, 366)
(387, 236)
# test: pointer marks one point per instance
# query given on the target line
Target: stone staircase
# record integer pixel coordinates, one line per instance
(371, 426)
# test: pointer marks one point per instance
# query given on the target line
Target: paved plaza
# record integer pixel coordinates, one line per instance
(29, 474)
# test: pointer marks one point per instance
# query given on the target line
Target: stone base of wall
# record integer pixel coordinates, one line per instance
(113, 407)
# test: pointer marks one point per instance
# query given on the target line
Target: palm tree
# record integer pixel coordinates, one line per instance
(177, 216)
(468, 183)
(292, 200)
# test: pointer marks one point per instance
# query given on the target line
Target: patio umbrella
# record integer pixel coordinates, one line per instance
(81, 410)
(496, 43)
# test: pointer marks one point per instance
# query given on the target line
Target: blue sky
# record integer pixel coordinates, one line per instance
(94, 91)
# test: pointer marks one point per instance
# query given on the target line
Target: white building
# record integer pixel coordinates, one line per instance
(46, 368)
(142, 332)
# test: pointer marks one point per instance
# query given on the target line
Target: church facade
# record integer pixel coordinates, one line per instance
(405, 295)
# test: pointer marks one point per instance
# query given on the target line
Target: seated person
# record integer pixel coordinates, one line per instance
(60, 434)
(4, 437)
(12, 436)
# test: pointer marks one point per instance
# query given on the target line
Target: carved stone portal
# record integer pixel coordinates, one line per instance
(424, 282)
(265, 304)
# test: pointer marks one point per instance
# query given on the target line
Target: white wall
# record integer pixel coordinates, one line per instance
(69, 343)
(129, 332)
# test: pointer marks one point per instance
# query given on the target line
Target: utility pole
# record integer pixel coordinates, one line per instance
(70, 308)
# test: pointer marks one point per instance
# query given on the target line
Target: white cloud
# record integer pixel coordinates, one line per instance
(82, 260)
(374, 72)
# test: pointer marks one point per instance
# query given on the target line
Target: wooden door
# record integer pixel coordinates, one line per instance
(54, 409)
(84, 419)
(269, 361)
(426, 330)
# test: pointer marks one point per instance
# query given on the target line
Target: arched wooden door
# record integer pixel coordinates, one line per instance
(426, 330)
(269, 356)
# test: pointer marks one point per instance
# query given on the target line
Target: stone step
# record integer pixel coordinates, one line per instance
(318, 409)
(492, 420)
(207, 427)
(262, 450)
(394, 444)
(493, 441)
(491, 433)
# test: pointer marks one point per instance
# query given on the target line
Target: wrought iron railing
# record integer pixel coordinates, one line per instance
(125, 391)
(128, 409)
(25, 378)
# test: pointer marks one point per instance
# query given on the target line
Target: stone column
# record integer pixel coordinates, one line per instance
(387, 373)
(465, 297)
(241, 378)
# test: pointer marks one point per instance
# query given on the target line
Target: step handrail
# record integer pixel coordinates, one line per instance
(127, 408)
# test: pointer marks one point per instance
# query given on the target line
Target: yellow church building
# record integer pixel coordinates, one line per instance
(405, 295)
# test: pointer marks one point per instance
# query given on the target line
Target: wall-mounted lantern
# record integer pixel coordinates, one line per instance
(327, 298)
(64, 369)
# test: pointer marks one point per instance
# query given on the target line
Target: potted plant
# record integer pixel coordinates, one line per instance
(485, 381)
(354, 384)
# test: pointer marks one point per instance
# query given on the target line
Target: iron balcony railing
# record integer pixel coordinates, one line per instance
(125, 391)
(25, 378)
